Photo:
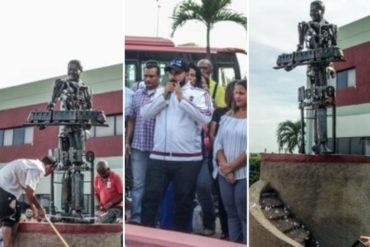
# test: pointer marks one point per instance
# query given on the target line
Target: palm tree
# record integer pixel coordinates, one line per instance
(288, 133)
(209, 12)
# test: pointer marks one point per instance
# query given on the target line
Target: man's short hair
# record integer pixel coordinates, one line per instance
(150, 64)
(49, 160)
(205, 60)
(102, 163)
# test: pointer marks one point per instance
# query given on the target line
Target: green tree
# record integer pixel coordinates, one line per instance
(209, 12)
(287, 135)
(254, 168)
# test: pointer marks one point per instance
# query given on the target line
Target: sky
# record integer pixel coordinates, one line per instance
(273, 30)
(39, 37)
(141, 20)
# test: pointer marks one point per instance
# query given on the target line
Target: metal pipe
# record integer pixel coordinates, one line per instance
(334, 126)
(90, 157)
(52, 205)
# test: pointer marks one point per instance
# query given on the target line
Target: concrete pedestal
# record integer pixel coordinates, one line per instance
(76, 235)
(330, 194)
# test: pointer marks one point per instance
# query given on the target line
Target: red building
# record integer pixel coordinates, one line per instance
(353, 89)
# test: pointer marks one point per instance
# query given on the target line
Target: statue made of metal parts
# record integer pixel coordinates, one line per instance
(317, 33)
(72, 92)
(74, 95)
(316, 49)
(76, 117)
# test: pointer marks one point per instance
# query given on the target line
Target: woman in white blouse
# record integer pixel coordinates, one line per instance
(230, 157)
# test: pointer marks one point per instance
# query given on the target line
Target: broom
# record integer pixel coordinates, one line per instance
(56, 231)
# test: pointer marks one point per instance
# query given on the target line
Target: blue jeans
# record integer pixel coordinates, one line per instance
(139, 163)
(204, 195)
(184, 175)
(167, 212)
(234, 197)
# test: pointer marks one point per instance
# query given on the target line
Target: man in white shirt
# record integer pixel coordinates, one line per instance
(18, 177)
(180, 111)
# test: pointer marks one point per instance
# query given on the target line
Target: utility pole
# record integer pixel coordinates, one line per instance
(158, 8)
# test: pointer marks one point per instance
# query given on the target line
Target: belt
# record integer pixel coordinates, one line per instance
(177, 154)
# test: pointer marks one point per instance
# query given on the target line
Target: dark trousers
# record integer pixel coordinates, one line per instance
(184, 175)
(10, 209)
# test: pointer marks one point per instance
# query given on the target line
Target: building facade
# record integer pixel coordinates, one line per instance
(353, 89)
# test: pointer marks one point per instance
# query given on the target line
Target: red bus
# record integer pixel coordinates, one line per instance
(138, 50)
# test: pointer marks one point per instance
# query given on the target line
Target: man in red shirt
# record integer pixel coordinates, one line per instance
(108, 192)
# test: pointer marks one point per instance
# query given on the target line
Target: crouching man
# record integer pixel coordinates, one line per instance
(18, 177)
(108, 193)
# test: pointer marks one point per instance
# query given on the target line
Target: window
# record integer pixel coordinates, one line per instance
(343, 145)
(356, 145)
(130, 74)
(16, 136)
(1, 137)
(28, 136)
(346, 78)
(225, 75)
(367, 146)
(106, 131)
(351, 145)
(115, 127)
(8, 137)
(119, 125)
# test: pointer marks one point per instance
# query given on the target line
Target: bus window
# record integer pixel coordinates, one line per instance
(142, 49)
(164, 75)
(225, 75)
(242, 60)
(130, 74)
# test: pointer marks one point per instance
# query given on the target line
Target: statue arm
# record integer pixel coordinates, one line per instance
(59, 85)
(88, 98)
(333, 34)
(302, 29)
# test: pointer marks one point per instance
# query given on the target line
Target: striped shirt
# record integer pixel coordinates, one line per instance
(232, 139)
(144, 127)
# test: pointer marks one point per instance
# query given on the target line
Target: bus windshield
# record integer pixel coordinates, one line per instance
(138, 50)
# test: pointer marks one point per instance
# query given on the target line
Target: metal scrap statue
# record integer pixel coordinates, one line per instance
(74, 96)
(76, 117)
(317, 49)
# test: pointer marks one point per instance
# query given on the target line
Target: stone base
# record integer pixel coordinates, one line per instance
(261, 231)
(76, 235)
(329, 194)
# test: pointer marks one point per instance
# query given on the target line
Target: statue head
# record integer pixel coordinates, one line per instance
(317, 10)
(74, 70)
